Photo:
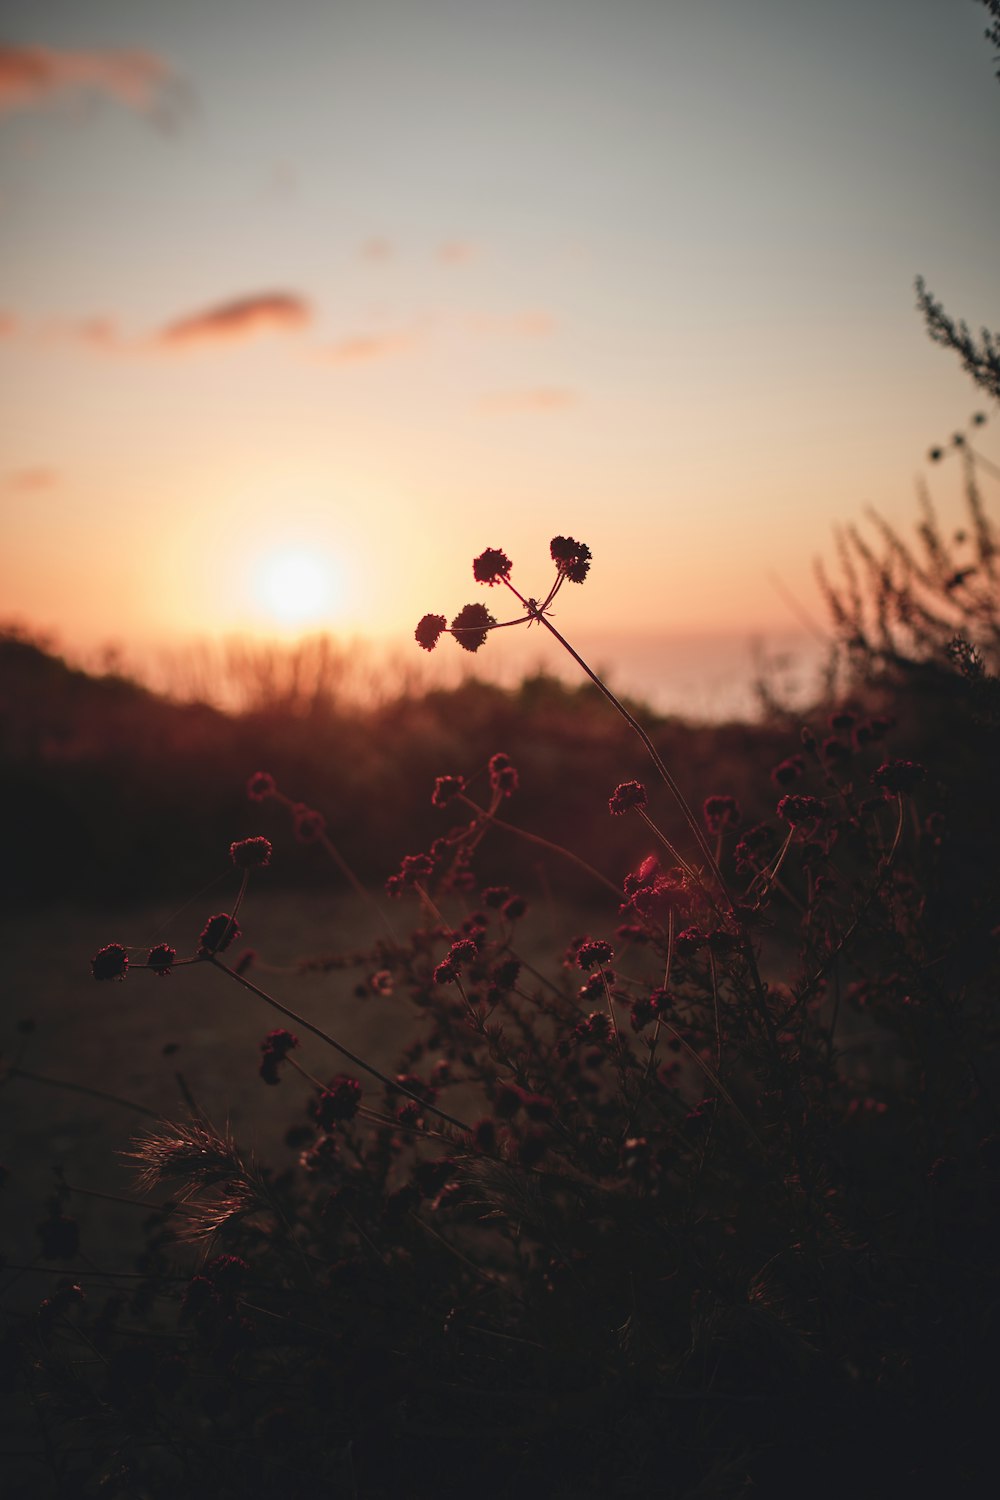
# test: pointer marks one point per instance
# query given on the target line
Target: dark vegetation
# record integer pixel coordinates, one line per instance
(704, 1202)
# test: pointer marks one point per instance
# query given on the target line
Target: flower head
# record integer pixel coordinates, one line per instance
(627, 794)
(503, 775)
(260, 786)
(341, 1100)
(591, 954)
(216, 935)
(572, 558)
(429, 630)
(899, 775)
(161, 959)
(446, 788)
(471, 626)
(721, 812)
(251, 854)
(309, 825)
(110, 962)
(491, 566)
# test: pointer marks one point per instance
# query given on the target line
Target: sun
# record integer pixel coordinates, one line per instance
(295, 587)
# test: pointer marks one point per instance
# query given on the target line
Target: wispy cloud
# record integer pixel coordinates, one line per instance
(31, 481)
(242, 317)
(456, 252)
(32, 77)
(358, 347)
(533, 398)
(377, 249)
(531, 324)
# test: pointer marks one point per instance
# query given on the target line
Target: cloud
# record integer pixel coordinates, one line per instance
(36, 76)
(359, 347)
(31, 481)
(263, 312)
(377, 249)
(456, 252)
(8, 324)
(531, 324)
(534, 398)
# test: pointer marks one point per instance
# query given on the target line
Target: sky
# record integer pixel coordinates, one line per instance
(304, 306)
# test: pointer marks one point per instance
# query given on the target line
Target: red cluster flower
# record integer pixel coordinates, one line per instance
(251, 854)
(899, 775)
(721, 812)
(161, 959)
(430, 630)
(260, 786)
(110, 962)
(491, 566)
(308, 824)
(503, 775)
(627, 794)
(594, 952)
(340, 1100)
(471, 626)
(572, 558)
(446, 788)
(274, 1049)
(217, 934)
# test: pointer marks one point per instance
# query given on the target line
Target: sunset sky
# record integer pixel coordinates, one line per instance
(380, 283)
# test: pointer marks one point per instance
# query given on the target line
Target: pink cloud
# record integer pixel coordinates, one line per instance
(377, 249)
(535, 398)
(263, 312)
(33, 76)
(359, 347)
(31, 481)
(456, 252)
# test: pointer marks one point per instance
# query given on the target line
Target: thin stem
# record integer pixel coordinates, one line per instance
(324, 1036)
(534, 838)
(637, 728)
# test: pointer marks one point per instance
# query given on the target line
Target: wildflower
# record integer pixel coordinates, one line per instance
(787, 771)
(515, 908)
(835, 752)
(216, 935)
(446, 788)
(721, 812)
(755, 848)
(496, 895)
(690, 940)
(260, 786)
(491, 566)
(503, 776)
(593, 953)
(463, 951)
(505, 974)
(446, 972)
(110, 962)
(430, 630)
(796, 809)
(251, 854)
(627, 794)
(471, 626)
(309, 825)
(341, 1100)
(161, 959)
(572, 558)
(381, 982)
(274, 1049)
(899, 775)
